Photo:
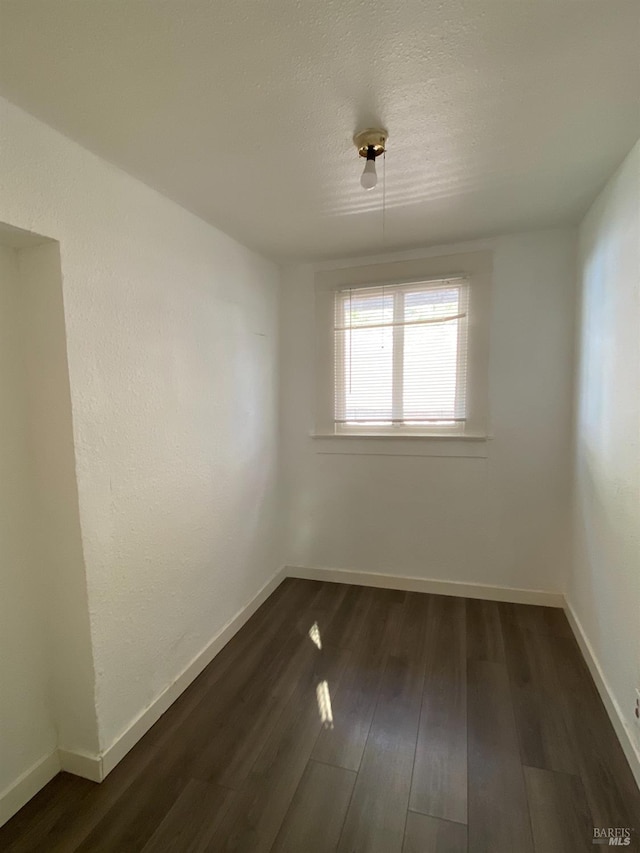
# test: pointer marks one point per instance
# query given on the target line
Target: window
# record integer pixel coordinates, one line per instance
(400, 357)
(403, 349)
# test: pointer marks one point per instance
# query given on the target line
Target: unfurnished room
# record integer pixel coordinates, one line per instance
(319, 426)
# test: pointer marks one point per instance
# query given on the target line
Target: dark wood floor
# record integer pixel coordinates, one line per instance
(352, 719)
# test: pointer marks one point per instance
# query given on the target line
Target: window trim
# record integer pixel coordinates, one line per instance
(476, 268)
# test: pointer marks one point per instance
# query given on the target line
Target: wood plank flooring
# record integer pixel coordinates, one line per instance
(363, 720)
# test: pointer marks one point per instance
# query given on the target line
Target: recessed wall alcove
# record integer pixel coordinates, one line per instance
(46, 668)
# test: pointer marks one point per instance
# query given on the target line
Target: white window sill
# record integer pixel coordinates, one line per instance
(437, 436)
(402, 444)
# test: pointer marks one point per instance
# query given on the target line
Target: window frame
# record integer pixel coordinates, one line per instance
(475, 269)
(397, 289)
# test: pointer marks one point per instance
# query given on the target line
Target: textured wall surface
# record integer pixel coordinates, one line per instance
(244, 112)
(499, 520)
(604, 587)
(171, 343)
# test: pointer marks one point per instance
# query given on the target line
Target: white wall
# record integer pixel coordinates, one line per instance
(26, 713)
(56, 534)
(604, 586)
(171, 344)
(500, 520)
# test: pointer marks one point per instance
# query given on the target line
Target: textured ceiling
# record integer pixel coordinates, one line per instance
(502, 114)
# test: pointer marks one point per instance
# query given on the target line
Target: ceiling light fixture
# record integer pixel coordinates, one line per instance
(371, 143)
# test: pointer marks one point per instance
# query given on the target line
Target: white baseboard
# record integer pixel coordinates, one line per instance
(96, 767)
(138, 727)
(13, 798)
(440, 587)
(621, 728)
(81, 764)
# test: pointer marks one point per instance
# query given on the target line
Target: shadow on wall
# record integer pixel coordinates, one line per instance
(46, 668)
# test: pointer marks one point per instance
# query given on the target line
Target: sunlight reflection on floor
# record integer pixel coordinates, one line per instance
(314, 633)
(324, 704)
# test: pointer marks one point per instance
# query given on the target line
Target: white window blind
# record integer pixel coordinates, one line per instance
(401, 356)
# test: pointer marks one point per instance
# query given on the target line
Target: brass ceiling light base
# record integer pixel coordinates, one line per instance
(371, 140)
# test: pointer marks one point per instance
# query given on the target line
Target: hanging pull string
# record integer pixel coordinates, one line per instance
(384, 193)
(350, 335)
(384, 207)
